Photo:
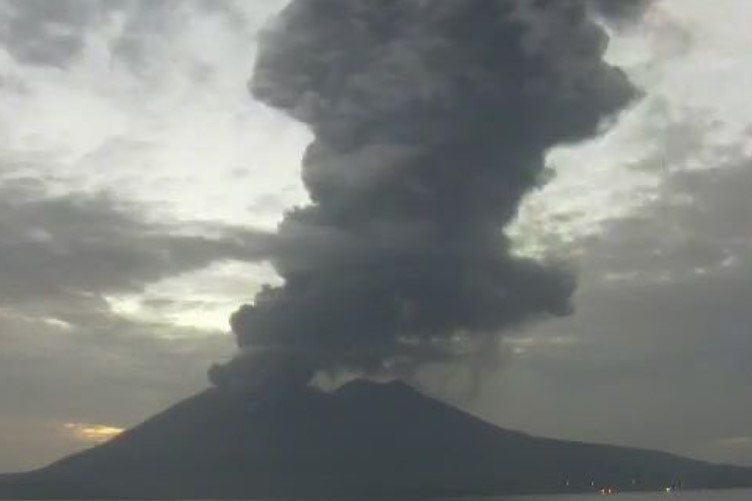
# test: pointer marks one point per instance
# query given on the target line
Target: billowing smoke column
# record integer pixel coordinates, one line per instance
(431, 121)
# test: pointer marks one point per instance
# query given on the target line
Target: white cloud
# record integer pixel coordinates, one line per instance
(159, 117)
(154, 111)
(174, 128)
(201, 299)
(690, 58)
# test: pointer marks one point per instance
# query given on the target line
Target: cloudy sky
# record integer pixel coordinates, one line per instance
(138, 178)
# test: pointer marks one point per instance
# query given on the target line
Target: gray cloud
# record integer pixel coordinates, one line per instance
(66, 356)
(106, 370)
(90, 245)
(53, 32)
(660, 340)
(431, 122)
(697, 228)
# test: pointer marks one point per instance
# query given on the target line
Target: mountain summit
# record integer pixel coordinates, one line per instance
(365, 439)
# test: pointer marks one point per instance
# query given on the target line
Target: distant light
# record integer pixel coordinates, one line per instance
(96, 433)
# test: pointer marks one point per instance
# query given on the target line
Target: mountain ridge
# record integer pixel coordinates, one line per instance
(364, 439)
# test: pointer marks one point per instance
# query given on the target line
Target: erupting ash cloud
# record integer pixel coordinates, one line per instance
(431, 122)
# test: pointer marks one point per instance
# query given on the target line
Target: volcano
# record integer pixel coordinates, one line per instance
(364, 440)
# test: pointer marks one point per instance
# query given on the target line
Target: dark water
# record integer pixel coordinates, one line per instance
(730, 495)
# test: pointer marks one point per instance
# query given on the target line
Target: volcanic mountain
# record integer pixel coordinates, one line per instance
(364, 440)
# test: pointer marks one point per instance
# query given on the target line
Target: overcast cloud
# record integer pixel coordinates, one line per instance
(138, 178)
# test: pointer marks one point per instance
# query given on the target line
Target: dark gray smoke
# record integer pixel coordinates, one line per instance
(431, 122)
(620, 10)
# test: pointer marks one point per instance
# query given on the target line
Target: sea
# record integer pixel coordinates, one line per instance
(724, 495)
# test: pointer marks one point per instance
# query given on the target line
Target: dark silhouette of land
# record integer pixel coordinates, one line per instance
(364, 440)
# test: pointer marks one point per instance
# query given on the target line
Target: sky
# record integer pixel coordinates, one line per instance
(137, 173)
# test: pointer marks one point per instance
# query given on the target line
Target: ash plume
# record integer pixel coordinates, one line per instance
(431, 123)
(620, 10)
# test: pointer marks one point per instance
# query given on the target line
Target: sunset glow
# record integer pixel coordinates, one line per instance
(94, 433)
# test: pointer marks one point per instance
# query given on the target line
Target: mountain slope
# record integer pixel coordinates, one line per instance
(366, 439)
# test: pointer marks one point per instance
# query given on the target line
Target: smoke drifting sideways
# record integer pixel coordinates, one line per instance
(431, 122)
